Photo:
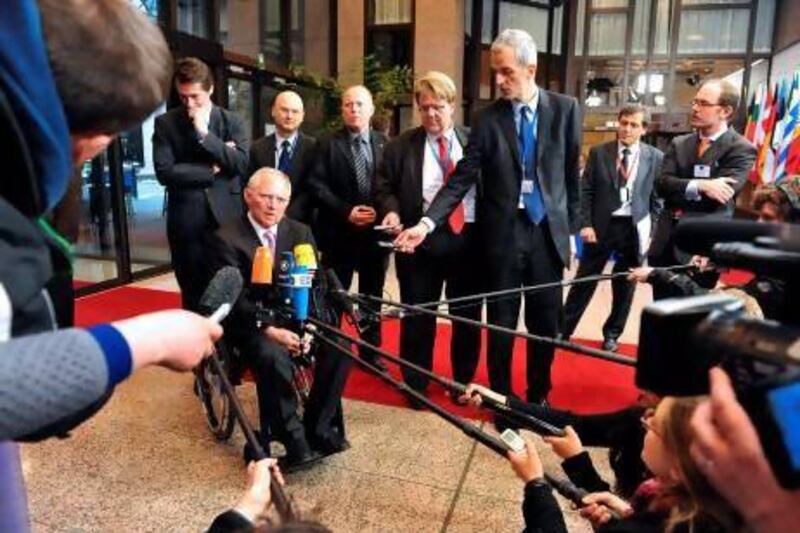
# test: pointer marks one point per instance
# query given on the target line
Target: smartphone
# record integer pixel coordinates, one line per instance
(386, 244)
(514, 441)
(383, 227)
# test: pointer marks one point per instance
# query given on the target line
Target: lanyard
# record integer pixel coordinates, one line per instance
(632, 163)
(523, 155)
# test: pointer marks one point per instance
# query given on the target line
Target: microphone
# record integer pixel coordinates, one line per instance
(301, 286)
(221, 293)
(262, 267)
(698, 235)
(285, 268)
(304, 255)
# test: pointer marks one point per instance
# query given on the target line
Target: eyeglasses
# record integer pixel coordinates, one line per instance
(703, 103)
(647, 422)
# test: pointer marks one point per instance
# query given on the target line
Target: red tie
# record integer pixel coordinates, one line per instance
(456, 219)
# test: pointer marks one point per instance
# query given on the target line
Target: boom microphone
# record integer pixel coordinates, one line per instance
(698, 235)
(223, 289)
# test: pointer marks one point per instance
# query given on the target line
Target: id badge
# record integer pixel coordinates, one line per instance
(702, 171)
(624, 195)
(527, 186)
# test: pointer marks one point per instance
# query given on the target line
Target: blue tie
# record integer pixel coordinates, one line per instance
(533, 201)
(285, 161)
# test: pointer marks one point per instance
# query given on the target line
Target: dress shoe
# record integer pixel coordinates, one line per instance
(298, 455)
(502, 423)
(414, 403)
(610, 345)
(329, 445)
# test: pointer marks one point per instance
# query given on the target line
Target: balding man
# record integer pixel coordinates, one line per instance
(342, 182)
(268, 351)
(288, 150)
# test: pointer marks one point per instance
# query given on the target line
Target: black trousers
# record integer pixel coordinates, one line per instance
(535, 260)
(422, 276)
(277, 400)
(188, 226)
(620, 237)
(371, 262)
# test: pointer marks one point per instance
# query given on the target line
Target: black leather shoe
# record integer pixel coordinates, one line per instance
(329, 445)
(610, 345)
(294, 462)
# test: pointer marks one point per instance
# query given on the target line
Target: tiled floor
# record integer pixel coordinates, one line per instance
(147, 463)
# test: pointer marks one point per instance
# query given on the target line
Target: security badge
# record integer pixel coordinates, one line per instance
(527, 186)
(702, 171)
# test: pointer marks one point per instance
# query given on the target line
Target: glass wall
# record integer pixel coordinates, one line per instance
(194, 17)
(390, 27)
(657, 52)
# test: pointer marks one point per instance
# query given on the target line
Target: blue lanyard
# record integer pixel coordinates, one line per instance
(522, 153)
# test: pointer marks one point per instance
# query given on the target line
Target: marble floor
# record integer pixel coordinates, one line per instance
(146, 462)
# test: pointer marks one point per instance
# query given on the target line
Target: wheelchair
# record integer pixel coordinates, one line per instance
(216, 404)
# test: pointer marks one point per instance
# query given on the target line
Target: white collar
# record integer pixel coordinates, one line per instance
(633, 148)
(714, 136)
(279, 139)
(261, 229)
(448, 134)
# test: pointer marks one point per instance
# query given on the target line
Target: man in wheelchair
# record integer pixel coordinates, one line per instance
(267, 345)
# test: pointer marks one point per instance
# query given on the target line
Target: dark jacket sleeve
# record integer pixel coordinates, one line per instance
(387, 179)
(222, 254)
(739, 162)
(232, 159)
(669, 185)
(319, 181)
(674, 284)
(587, 190)
(231, 522)
(541, 511)
(580, 470)
(656, 201)
(169, 172)
(572, 173)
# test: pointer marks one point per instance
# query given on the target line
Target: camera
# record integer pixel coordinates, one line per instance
(680, 339)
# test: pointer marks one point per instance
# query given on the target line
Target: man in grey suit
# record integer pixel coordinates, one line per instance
(525, 148)
(702, 171)
(618, 209)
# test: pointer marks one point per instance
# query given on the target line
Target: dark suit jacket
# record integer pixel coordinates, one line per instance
(600, 188)
(333, 183)
(729, 156)
(183, 165)
(262, 154)
(234, 244)
(493, 155)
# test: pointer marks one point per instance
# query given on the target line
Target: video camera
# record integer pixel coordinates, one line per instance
(680, 339)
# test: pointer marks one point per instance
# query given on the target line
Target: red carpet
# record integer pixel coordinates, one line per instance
(580, 383)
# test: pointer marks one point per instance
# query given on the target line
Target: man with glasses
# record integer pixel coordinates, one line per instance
(415, 166)
(268, 351)
(702, 171)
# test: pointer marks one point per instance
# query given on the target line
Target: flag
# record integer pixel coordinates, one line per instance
(789, 124)
(752, 113)
(761, 172)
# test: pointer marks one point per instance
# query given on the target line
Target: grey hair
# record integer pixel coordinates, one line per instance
(521, 42)
(264, 173)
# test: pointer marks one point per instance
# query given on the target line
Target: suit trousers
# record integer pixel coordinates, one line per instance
(535, 260)
(371, 262)
(622, 239)
(189, 223)
(422, 276)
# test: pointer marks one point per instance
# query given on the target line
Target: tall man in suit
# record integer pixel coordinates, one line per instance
(342, 183)
(618, 209)
(525, 147)
(415, 166)
(199, 154)
(702, 171)
(270, 349)
(289, 150)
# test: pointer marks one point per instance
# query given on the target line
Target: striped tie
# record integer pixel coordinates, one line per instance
(362, 169)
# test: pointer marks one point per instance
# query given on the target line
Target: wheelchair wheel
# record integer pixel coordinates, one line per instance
(216, 404)
(303, 379)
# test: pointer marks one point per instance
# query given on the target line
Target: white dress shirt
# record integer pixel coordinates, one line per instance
(633, 162)
(433, 173)
(279, 145)
(261, 230)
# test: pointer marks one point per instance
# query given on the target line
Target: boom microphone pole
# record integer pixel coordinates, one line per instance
(565, 487)
(540, 287)
(523, 419)
(574, 347)
(221, 294)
